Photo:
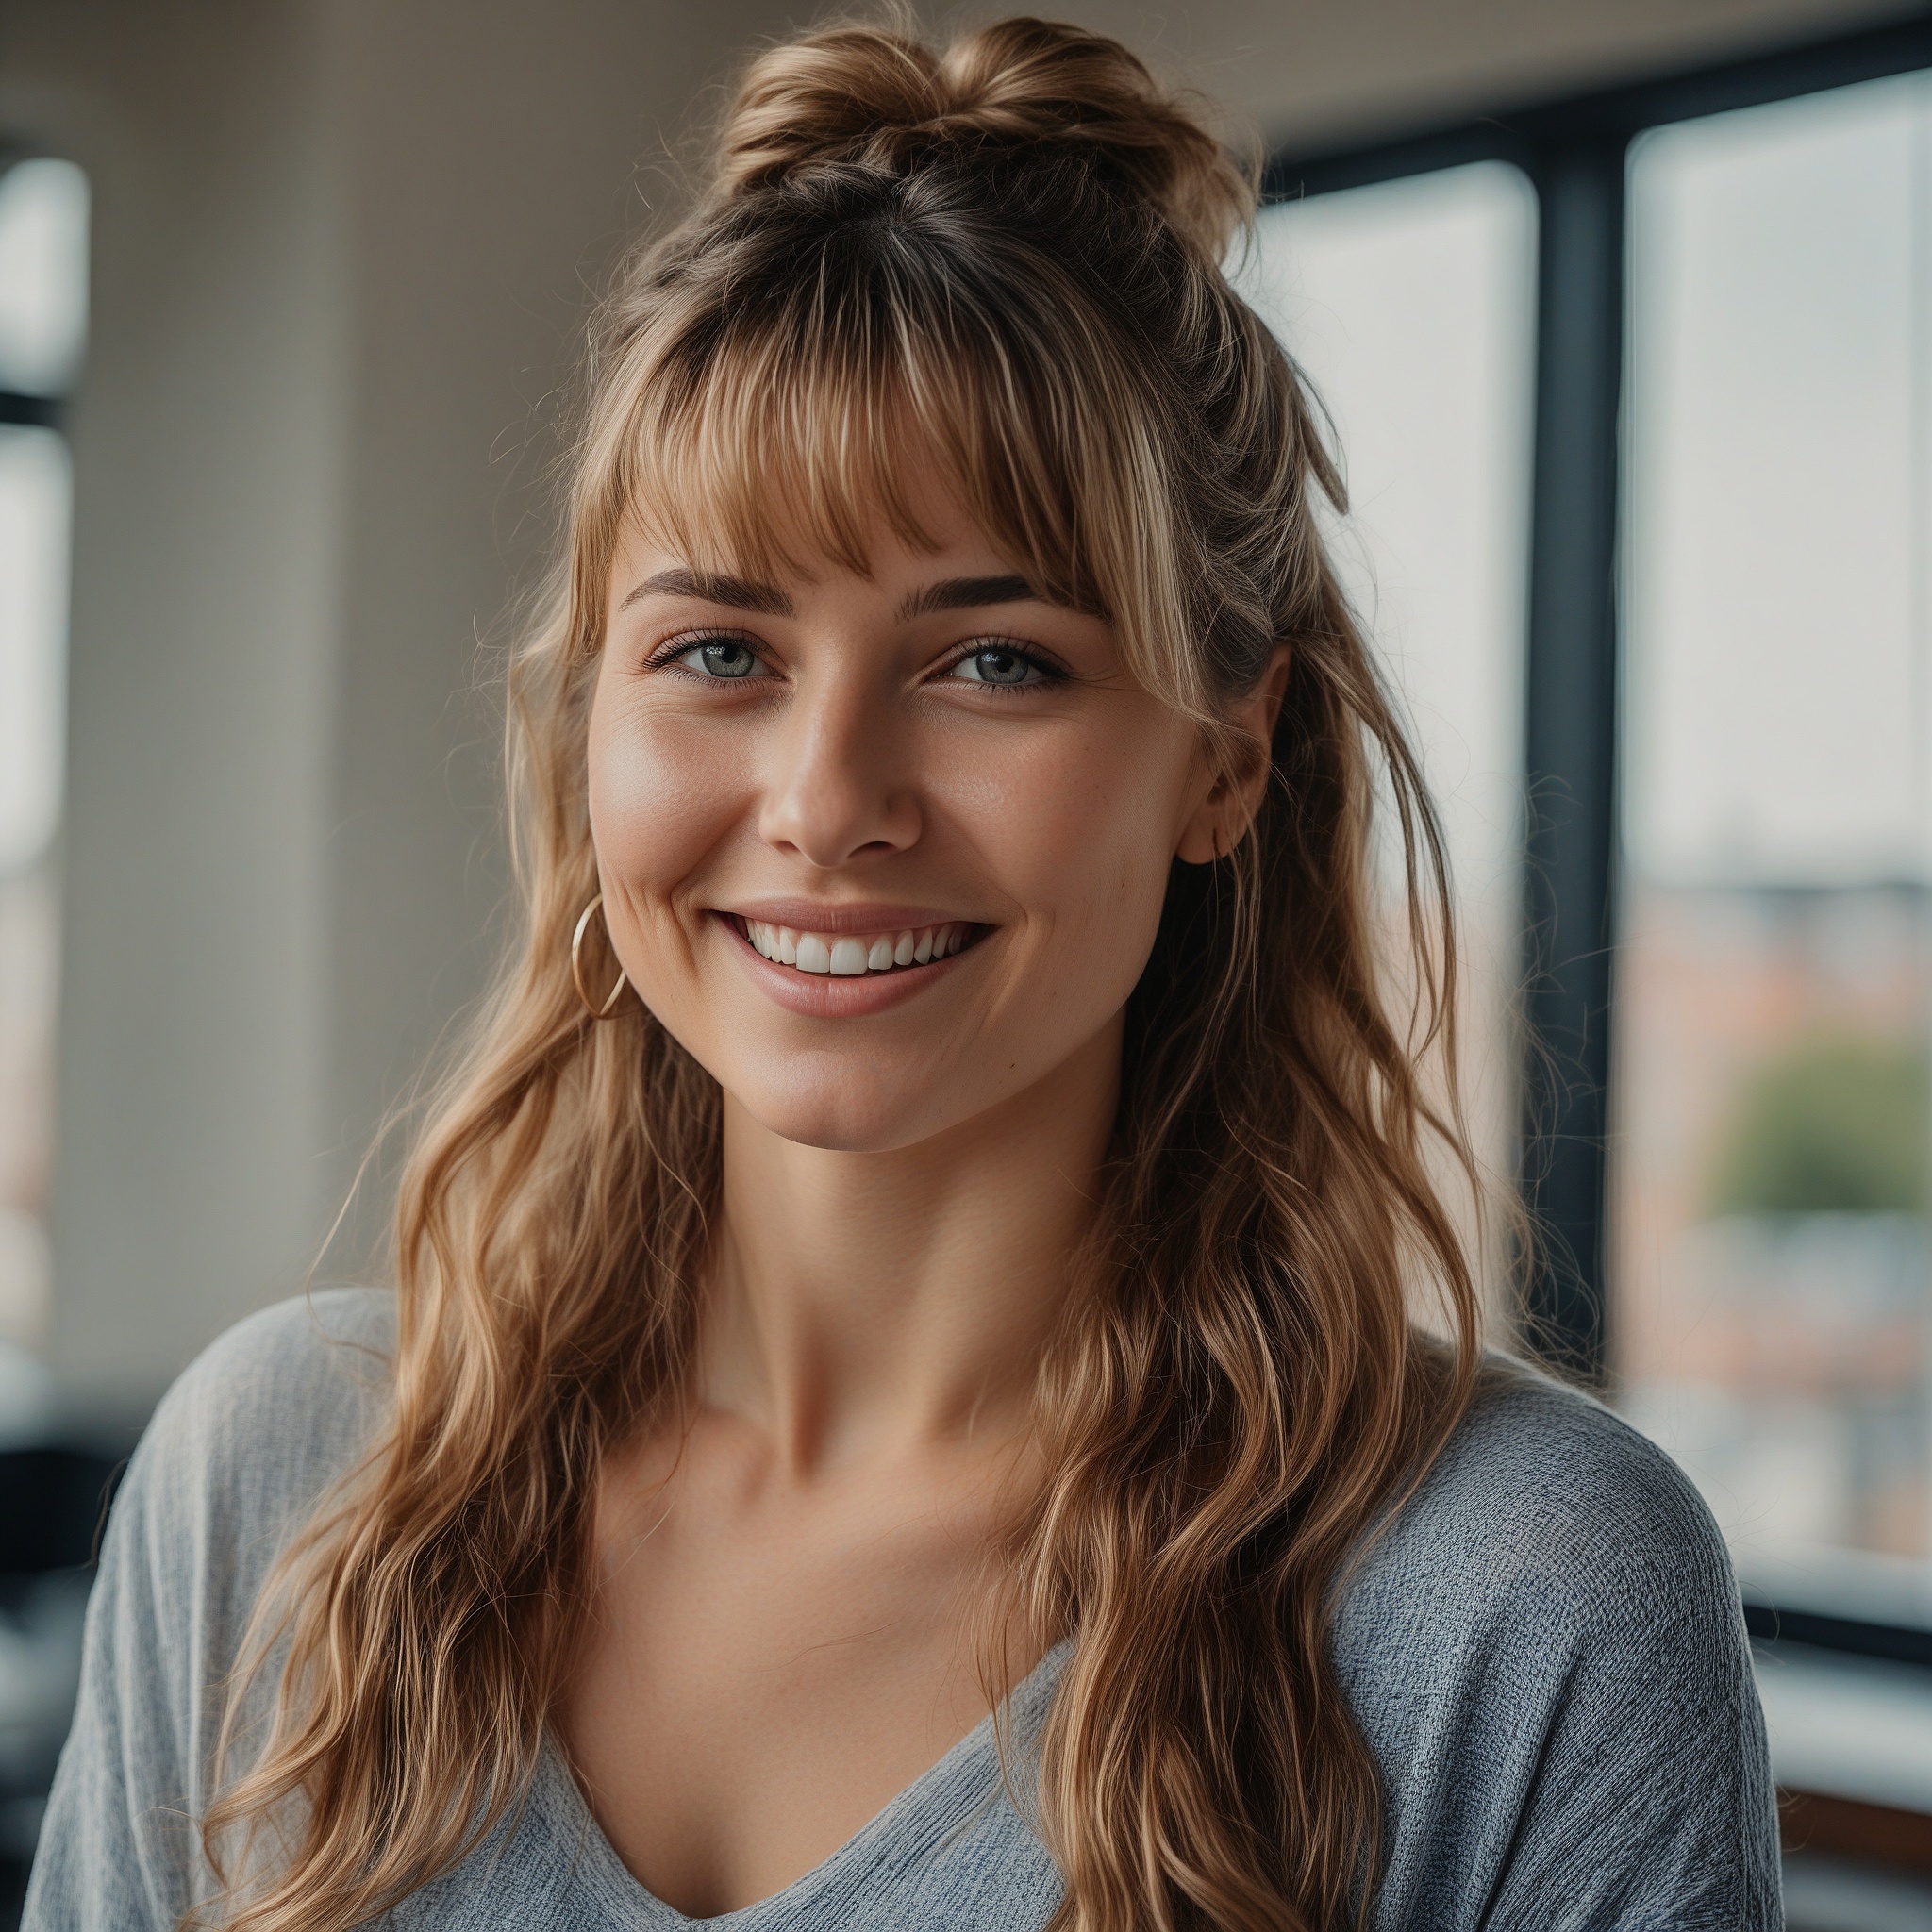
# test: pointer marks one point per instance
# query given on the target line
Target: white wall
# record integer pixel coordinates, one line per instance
(209, 454)
(341, 249)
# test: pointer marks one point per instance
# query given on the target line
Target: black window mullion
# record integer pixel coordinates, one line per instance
(1569, 746)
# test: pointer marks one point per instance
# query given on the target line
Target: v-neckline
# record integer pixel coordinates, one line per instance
(966, 1774)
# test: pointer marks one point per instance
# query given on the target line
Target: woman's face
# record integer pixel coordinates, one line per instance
(882, 852)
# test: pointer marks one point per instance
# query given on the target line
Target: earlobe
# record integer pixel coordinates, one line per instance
(1206, 838)
(1223, 817)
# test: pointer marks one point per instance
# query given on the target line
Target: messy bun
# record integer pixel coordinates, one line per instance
(999, 265)
(878, 99)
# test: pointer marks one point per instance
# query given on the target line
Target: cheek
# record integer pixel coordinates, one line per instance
(662, 791)
(1079, 830)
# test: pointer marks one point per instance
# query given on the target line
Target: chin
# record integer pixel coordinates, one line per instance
(839, 1114)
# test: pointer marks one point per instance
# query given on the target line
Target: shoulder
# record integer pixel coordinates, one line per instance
(266, 1419)
(1544, 1512)
(288, 1380)
(238, 1455)
(1545, 1651)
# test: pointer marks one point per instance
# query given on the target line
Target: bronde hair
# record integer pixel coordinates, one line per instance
(1007, 256)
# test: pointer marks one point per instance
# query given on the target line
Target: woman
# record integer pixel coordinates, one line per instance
(906, 1403)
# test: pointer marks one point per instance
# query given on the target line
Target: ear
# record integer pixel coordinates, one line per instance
(1221, 821)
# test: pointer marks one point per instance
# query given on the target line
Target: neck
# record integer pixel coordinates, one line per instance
(872, 1304)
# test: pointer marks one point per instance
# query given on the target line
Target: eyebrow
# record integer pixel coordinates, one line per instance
(739, 593)
(967, 593)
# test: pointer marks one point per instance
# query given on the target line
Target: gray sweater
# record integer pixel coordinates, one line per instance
(1545, 1653)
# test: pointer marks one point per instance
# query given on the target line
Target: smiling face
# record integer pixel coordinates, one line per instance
(882, 852)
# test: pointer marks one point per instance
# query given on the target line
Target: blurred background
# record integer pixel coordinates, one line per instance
(1622, 313)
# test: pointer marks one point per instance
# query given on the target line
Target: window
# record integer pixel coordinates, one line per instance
(1409, 305)
(43, 211)
(1725, 917)
(1771, 1289)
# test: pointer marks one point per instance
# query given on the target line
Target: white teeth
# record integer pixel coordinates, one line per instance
(850, 954)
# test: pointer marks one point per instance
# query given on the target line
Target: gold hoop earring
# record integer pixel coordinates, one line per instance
(576, 966)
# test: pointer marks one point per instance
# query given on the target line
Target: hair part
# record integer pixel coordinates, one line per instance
(1005, 256)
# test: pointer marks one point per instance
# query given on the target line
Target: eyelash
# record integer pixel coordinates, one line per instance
(1050, 673)
(667, 655)
(665, 658)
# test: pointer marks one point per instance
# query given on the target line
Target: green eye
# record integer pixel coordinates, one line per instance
(722, 658)
(995, 664)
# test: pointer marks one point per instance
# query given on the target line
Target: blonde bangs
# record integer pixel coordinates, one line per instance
(776, 445)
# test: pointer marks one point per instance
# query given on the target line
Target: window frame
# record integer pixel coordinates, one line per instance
(1574, 150)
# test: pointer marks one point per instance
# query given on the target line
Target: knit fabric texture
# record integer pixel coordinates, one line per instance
(1546, 1653)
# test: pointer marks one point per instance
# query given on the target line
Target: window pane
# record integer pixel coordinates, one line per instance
(42, 275)
(34, 508)
(1410, 308)
(1770, 1159)
(43, 207)
(35, 501)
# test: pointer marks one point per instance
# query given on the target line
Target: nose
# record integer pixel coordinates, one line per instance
(836, 792)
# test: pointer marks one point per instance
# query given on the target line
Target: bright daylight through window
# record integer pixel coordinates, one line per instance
(43, 207)
(1411, 306)
(1770, 1150)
